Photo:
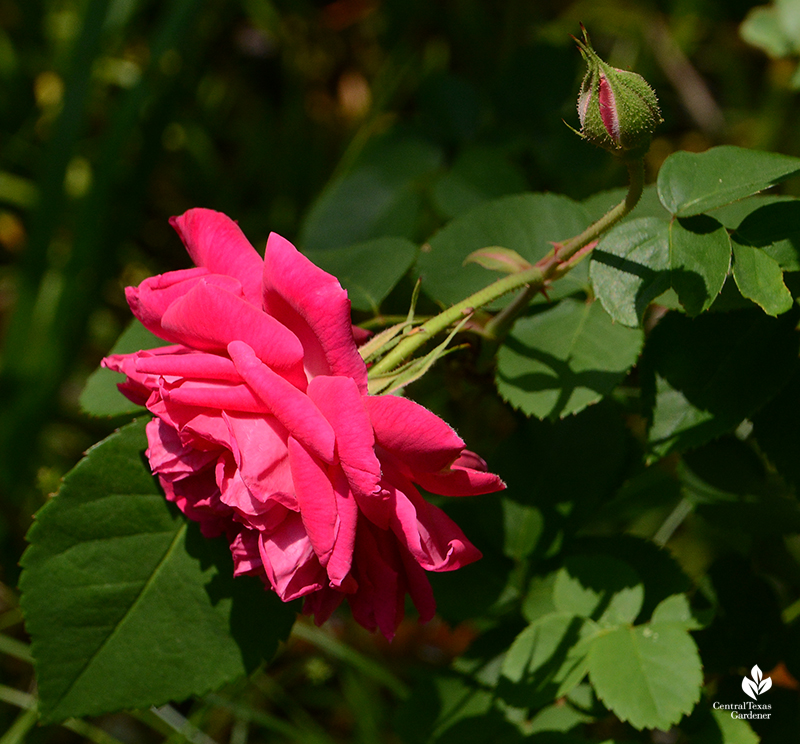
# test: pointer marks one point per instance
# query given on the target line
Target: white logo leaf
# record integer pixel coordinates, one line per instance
(750, 687)
(756, 674)
(765, 685)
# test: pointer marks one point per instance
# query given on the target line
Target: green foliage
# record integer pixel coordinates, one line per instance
(118, 585)
(708, 374)
(525, 223)
(564, 358)
(630, 268)
(690, 184)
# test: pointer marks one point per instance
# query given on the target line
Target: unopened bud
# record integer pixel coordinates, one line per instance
(617, 109)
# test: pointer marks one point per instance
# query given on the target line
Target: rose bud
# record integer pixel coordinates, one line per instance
(617, 109)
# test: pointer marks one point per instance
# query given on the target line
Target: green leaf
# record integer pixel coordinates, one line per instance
(692, 183)
(379, 196)
(101, 397)
(709, 373)
(600, 587)
(732, 215)
(496, 258)
(775, 228)
(760, 279)
(567, 357)
(369, 270)
(731, 730)
(523, 527)
(658, 570)
(709, 726)
(675, 609)
(127, 604)
(546, 660)
(525, 223)
(558, 717)
(700, 257)
(538, 601)
(630, 268)
(774, 28)
(638, 261)
(649, 675)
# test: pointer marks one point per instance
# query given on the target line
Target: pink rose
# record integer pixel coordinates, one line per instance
(263, 431)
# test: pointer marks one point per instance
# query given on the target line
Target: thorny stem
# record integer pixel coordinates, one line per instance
(553, 266)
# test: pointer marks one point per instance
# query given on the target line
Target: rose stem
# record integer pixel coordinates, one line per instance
(553, 266)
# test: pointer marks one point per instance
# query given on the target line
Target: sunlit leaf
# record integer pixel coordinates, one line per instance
(649, 675)
(693, 183)
(775, 228)
(699, 259)
(760, 279)
(630, 268)
(600, 587)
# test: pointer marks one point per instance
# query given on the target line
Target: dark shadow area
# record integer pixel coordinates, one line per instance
(564, 379)
(258, 619)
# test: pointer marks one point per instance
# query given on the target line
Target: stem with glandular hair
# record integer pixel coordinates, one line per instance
(553, 266)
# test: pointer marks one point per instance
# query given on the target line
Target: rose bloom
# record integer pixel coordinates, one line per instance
(263, 431)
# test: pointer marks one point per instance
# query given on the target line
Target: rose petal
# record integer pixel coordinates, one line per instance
(340, 401)
(208, 318)
(153, 297)
(436, 541)
(260, 449)
(292, 408)
(289, 560)
(168, 455)
(246, 557)
(184, 362)
(341, 559)
(322, 603)
(312, 304)
(196, 427)
(213, 396)
(467, 476)
(215, 242)
(417, 437)
(419, 587)
(379, 600)
(316, 499)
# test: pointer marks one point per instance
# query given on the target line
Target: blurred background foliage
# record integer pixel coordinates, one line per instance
(331, 123)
